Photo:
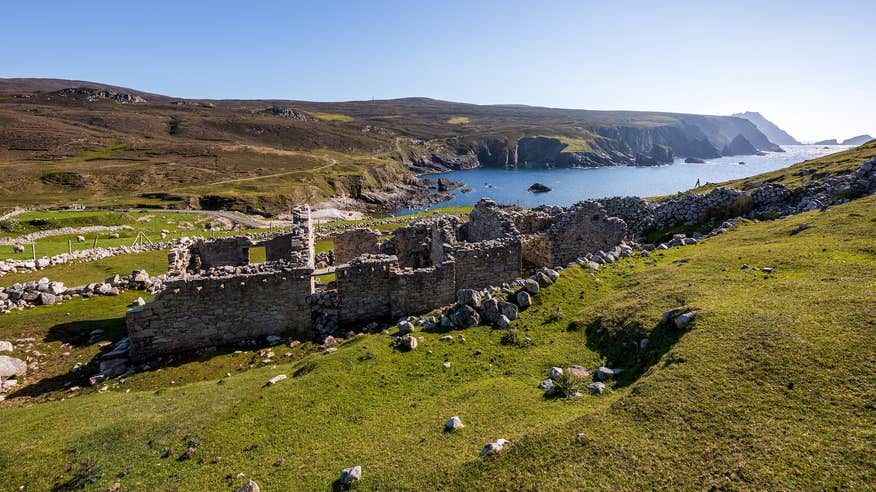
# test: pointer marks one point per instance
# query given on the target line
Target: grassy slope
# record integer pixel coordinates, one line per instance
(839, 163)
(771, 389)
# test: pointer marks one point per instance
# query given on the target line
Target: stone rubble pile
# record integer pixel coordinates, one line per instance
(11, 368)
(81, 256)
(765, 201)
(44, 292)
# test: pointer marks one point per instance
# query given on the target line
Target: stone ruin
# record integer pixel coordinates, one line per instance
(213, 296)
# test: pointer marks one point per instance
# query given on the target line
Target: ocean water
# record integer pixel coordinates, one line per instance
(508, 186)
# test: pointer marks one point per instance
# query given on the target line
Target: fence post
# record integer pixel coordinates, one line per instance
(33, 250)
(69, 246)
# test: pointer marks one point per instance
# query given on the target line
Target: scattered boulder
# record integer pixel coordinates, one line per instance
(6, 346)
(503, 322)
(494, 447)
(555, 372)
(542, 279)
(490, 311)
(10, 367)
(405, 327)
(538, 188)
(465, 316)
(508, 310)
(683, 321)
(596, 388)
(468, 297)
(531, 286)
(249, 486)
(523, 299)
(350, 475)
(408, 342)
(604, 373)
(453, 424)
(276, 379)
(579, 372)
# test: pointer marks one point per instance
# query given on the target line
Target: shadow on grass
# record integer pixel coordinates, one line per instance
(78, 333)
(619, 341)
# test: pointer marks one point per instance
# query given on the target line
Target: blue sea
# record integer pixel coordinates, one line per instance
(509, 186)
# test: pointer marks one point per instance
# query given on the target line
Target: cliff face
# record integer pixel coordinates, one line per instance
(768, 128)
(611, 145)
(739, 146)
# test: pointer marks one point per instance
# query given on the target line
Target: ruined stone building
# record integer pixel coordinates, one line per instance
(214, 296)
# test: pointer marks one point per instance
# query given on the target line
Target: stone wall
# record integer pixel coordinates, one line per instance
(487, 263)
(364, 287)
(536, 251)
(195, 313)
(487, 221)
(422, 243)
(583, 228)
(422, 290)
(354, 242)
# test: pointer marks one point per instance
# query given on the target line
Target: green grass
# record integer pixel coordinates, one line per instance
(107, 152)
(332, 117)
(150, 223)
(73, 274)
(771, 389)
(839, 163)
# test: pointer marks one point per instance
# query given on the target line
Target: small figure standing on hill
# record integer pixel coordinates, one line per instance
(698, 183)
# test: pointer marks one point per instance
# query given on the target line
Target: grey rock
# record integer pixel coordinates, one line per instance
(503, 322)
(683, 321)
(11, 367)
(508, 310)
(454, 423)
(350, 475)
(604, 373)
(249, 486)
(6, 346)
(531, 286)
(494, 447)
(555, 372)
(469, 297)
(596, 388)
(523, 299)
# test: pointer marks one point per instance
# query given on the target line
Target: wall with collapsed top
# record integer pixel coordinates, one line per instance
(479, 265)
(373, 287)
(191, 314)
(355, 242)
(584, 228)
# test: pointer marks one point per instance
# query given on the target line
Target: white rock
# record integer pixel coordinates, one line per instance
(596, 388)
(249, 486)
(494, 447)
(11, 367)
(555, 372)
(276, 379)
(6, 346)
(604, 373)
(454, 423)
(350, 475)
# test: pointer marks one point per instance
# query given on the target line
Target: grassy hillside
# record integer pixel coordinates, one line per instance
(58, 147)
(771, 389)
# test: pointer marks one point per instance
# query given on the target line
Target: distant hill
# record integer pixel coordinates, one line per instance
(860, 139)
(768, 128)
(832, 141)
(117, 144)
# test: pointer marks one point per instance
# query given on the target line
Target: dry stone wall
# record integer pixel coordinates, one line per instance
(355, 242)
(486, 263)
(584, 228)
(194, 313)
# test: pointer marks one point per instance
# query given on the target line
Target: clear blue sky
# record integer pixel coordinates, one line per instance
(808, 66)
